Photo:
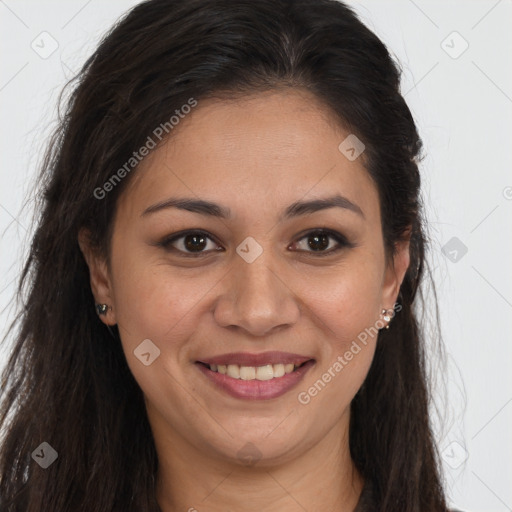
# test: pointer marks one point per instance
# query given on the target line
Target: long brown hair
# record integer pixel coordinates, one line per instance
(67, 382)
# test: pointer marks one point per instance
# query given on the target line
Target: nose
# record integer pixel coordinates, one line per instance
(256, 298)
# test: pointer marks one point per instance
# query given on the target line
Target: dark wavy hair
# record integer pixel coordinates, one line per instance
(67, 381)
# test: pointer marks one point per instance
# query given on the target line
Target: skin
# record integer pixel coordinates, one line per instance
(256, 156)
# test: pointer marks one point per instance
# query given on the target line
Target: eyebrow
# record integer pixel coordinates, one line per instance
(215, 210)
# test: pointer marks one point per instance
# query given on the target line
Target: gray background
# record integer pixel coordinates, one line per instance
(461, 99)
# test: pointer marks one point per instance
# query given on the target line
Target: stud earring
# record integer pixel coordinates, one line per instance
(102, 309)
(387, 315)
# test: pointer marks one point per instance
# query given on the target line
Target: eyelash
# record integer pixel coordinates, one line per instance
(338, 237)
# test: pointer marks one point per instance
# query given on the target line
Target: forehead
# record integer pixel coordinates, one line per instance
(257, 153)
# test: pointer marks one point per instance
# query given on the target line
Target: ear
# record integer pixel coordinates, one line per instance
(101, 284)
(395, 271)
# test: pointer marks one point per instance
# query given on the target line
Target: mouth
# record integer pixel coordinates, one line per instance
(255, 382)
(262, 373)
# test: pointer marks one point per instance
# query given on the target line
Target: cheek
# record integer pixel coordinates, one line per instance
(151, 302)
(348, 301)
(346, 305)
(347, 308)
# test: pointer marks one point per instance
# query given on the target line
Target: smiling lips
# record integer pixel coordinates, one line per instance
(267, 372)
(255, 360)
(243, 375)
(247, 366)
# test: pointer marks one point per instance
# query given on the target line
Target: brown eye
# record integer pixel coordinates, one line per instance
(194, 243)
(190, 243)
(320, 241)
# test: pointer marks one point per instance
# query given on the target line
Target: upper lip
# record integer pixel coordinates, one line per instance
(263, 359)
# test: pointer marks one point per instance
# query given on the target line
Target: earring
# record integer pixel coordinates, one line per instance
(102, 309)
(387, 315)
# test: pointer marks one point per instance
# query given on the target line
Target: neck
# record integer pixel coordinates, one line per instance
(323, 477)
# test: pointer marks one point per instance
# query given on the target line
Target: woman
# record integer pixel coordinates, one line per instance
(220, 313)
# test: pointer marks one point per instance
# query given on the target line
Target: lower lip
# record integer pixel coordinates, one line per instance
(257, 389)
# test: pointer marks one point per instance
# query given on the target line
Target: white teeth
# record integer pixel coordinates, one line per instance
(278, 370)
(266, 372)
(247, 372)
(233, 371)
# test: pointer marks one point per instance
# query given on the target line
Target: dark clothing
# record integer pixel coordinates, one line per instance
(366, 501)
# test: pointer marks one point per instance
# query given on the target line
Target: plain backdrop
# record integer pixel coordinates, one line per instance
(457, 80)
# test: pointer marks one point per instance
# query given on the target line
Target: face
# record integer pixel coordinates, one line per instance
(268, 276)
